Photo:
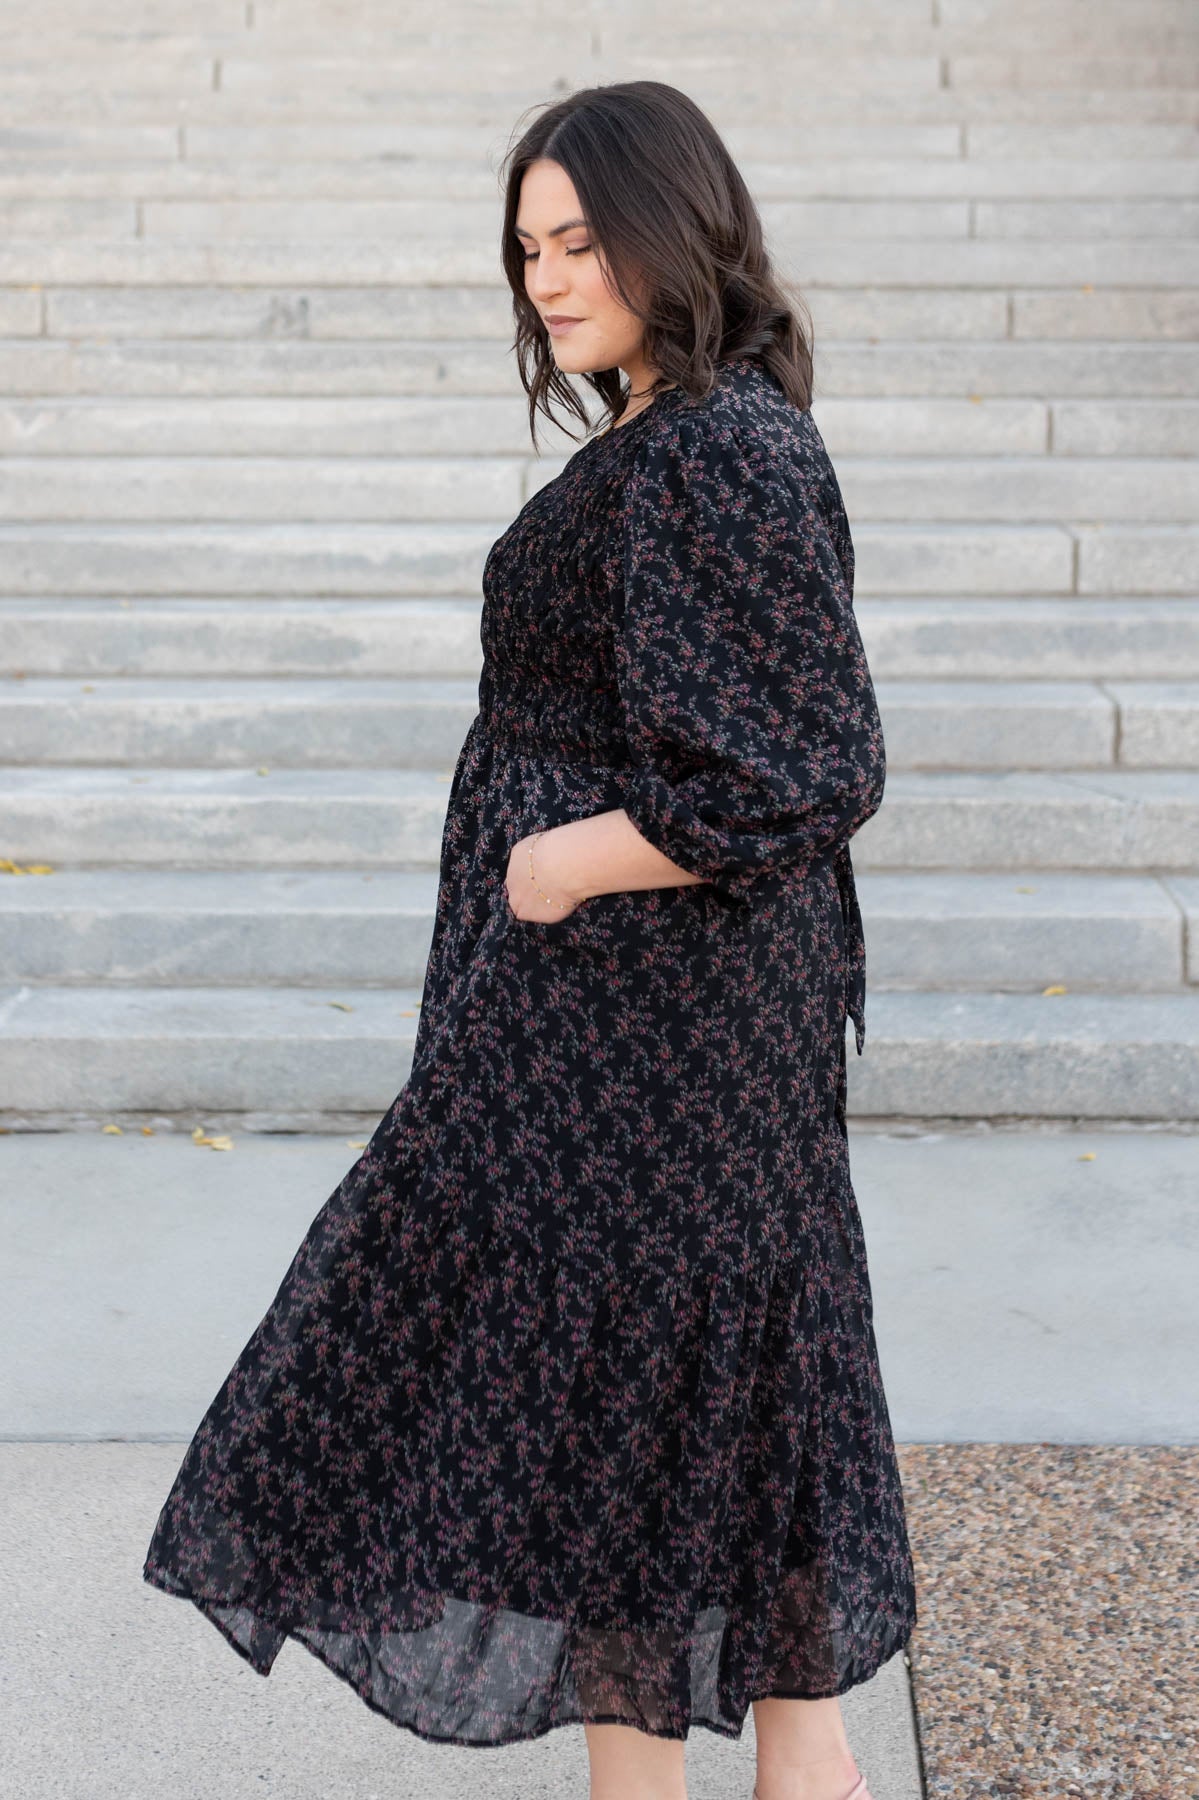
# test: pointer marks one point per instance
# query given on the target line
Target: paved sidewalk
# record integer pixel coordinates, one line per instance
(1023, 1292)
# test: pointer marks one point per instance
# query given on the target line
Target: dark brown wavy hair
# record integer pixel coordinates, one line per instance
(680, 238)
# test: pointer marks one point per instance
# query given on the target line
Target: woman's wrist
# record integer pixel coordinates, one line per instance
(555, 861)
(602, 854)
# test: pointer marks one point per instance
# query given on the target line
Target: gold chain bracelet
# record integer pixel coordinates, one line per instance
(564, 905)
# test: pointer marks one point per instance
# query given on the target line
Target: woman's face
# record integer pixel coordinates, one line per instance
(564, 275)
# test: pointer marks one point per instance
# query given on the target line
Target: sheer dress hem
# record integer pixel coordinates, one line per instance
(721, 1726)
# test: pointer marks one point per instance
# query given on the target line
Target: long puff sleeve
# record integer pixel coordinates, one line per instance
(749, 709)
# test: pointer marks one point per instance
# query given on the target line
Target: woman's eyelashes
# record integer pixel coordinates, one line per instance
(578, 251)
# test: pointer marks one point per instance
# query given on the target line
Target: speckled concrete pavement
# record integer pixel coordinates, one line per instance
(1057, 1655)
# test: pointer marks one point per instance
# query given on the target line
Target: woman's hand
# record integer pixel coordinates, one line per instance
(552, 875)
(582, 858)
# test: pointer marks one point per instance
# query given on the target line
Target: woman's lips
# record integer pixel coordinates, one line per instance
(557, 325)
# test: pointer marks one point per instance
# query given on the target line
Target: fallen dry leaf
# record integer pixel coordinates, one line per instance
(199, 1136)
(1056, 989)
(1087, 1156)
(112, 1131)
(147, 1131)
(353, 1144)
(340, 1005)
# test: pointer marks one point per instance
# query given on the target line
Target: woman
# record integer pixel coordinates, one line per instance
(568, 1408)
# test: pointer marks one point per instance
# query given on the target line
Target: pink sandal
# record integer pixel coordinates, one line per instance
(859, 1790)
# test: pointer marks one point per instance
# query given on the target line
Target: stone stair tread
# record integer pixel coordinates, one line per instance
(180, 783)
(1092, 818)
(920, 559)
(867, 175)
(907, 638)
(1124, 786)
(304, 928)
(259, 691)
(932, 1055)
(392, 423)
(328, 722)
(428, 487)
(292, 690)
(235, 891)
(1113, 262)
(983, 90)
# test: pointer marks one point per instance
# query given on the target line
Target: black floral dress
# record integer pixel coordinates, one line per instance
(568, 1406)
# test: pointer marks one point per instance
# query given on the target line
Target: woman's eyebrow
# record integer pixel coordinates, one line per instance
(556, 232)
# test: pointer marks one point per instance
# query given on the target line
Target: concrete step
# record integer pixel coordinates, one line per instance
(857, 176)
(227, 724)
(1013, 1056)
(447, 219)
(1039, 725)
(1117, 819)
(1152, 314)
(332, 141)
(333, 78)
(100, 1052)
(288, 31)
(912, 90)
(896, 426)
(345, 36)
(963, 638)
(1090, 21)
(326, 83)
(70, 144)
(190, 489)
(1151, 559)
(373, 142)
(1030, 71)
(400, 560)
(332, 637)
(297, 928)
(395, 561)
(176, 1049)
(1091, 933)
(1049, 369)
(497, 423)
(1019, 640)
(1162, 27)
(1157, 427)
(427, 489)
(1015, 490)
(225, 818)
(372, 724)
(839, 314)
(786, 220)
(427, 424)
(435, 221)
(255, 928)
(935, 262)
